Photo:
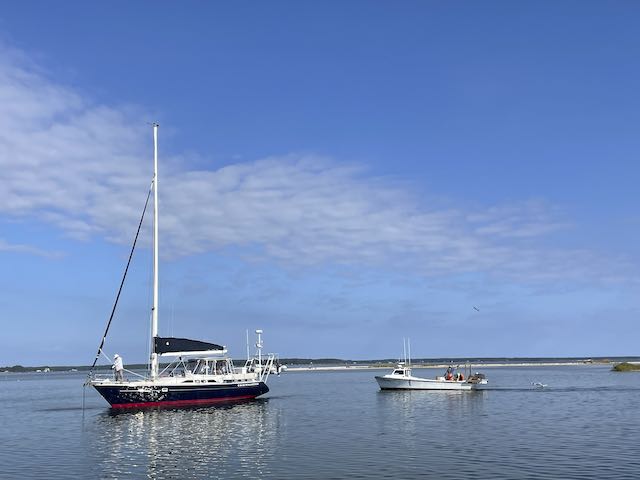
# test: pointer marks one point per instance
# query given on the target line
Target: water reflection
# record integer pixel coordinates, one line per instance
(427, 416)
(212, 442)
(450, 402)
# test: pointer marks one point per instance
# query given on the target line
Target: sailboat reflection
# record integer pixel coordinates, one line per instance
(238, 439)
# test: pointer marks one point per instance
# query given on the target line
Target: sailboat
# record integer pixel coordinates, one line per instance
(198, 372)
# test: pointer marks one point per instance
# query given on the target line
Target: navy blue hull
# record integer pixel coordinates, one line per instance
(133, 396)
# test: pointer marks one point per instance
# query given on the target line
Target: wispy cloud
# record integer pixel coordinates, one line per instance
(85, 168)
(27, 249)
(529, 219)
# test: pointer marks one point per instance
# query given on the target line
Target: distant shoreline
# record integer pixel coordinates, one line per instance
(305, 365)
(445, 365)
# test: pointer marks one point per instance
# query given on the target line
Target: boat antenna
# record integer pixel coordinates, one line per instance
(124, 276)
(404, 350)
(259, 347)
(248, 355)
(154, 311)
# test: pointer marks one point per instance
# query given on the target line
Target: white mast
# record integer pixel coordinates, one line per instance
(154, 309)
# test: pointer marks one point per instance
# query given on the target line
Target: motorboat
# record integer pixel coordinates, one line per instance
(401, 378)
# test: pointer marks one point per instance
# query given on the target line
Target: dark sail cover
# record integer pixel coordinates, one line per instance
(171, 344)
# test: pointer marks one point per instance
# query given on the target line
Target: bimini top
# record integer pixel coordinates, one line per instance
(184, 346)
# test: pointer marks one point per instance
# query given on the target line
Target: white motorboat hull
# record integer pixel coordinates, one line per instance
(396, 382)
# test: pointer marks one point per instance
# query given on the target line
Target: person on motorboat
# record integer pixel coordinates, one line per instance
(449, 374)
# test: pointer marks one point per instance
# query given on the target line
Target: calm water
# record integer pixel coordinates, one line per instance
(586, 424)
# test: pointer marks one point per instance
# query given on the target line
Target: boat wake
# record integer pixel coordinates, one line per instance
(551, 389)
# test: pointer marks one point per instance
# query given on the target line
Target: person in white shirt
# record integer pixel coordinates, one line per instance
(118, 368)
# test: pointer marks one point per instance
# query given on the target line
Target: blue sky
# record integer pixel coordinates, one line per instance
(340, 174)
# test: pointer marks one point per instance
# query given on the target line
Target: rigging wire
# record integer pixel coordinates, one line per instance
(124, 276)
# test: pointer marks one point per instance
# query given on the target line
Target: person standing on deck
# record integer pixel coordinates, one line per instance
(118, 368)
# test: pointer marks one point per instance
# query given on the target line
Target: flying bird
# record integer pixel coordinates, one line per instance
(476, 309)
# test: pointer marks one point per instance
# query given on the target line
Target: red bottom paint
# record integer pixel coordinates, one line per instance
(182, 403)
